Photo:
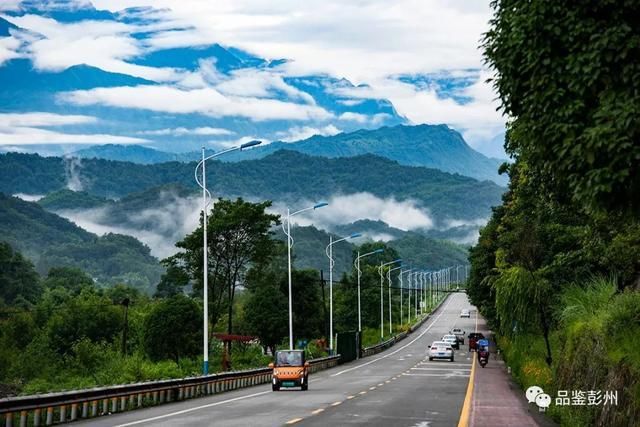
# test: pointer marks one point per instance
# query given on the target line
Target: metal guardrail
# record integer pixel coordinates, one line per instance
(62, 407)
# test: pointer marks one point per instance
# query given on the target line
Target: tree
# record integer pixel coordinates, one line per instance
(172, 282)
(69, 278)
(239, 235)
(173, 329)
(266, 313)
(18, 279)
(87, 315)
(569, 78)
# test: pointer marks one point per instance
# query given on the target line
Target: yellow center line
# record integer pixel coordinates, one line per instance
(317, 411)
(293, 421)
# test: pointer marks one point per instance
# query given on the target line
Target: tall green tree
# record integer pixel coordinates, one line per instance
(173, 329)
(239, 235)
(568, 76)
(19, 282)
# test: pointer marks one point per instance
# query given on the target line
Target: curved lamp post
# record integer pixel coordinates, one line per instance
(382, 265)
(357, 265)
(205, 193)
(389, 288)
(329, 251)
(402, 289)
(289, 244)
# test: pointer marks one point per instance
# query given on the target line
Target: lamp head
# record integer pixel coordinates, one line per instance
(250, 144)
(354, 235)
(320, 205)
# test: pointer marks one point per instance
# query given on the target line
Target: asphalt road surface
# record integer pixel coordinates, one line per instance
(398, 387)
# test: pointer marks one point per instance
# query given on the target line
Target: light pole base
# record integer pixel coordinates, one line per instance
(205, 367)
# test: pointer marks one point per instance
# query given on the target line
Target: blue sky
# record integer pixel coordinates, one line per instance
(286, 70)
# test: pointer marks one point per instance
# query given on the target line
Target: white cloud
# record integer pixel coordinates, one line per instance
(478, 222)
(354, 117)
(344, 209)
(209, 131)
(298, 133)
(103, 44)
(207, 101)
(478, 119)
(29, 197)
(158, 228)
(31, 136)
(9, 49)
(22, 129)
(10, 5)
(43, 119)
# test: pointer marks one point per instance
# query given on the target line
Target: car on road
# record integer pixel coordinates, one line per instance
(458, 333)
(290, 370)
(441, 350)
(453, 340)
(473, 339)
(465, 313)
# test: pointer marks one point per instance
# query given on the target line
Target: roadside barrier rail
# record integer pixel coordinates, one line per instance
(374, 349)
(55, 408)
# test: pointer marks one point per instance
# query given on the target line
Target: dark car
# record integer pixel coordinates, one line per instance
(473, 339)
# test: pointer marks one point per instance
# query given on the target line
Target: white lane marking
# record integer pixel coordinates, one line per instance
(293, 421)
(401, 348)
(184, 411)
(317, 411)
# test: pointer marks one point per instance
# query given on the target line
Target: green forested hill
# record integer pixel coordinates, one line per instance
(414, 248)
(284, 176)
(51, 241)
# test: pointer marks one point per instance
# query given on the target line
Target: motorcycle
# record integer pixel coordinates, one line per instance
(483, 352)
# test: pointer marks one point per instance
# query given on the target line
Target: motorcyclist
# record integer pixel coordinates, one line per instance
(483, 350)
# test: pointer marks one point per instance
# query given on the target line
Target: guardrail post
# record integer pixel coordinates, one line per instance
(23, 418)
(114, 405)
(132, 401)
(8, 419)
(155, 397)
(74, 411)
(105, 406)
(139, 400)
(94, 408)
(123, 403)
(49, 419)
(181, 393)
(85, 409)
(36, 417)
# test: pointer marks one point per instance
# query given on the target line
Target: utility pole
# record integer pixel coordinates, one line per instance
(324, 305)
(125, 303)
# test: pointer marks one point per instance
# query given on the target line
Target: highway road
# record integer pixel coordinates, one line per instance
(398, 387)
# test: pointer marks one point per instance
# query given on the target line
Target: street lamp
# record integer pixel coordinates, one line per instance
(382, 265)
(329, 252)
(357, 265)
(389, 287)
(205, 193)
(402, 289)
(289, 244)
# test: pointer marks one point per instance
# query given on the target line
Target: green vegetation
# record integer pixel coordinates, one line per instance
(556, 270)
(282, 176)
(71, 332)
(68, 199)
(51, 241)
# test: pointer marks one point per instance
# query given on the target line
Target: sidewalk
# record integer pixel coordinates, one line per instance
(496, 400)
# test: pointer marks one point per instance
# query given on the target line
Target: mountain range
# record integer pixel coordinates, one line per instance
(286, 177)
(432, 146)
